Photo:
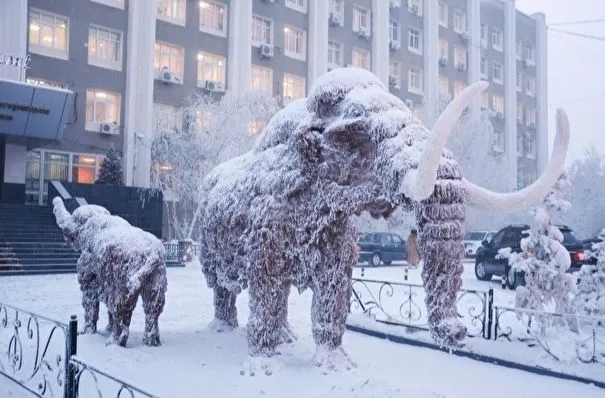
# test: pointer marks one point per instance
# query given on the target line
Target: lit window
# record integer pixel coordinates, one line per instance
(443, 15)
(261, 79)
(203, 120)
(101, 106)
(104, 47)
(459, 87)
(167, 117)
(294, 88)
(530, 85)
(256, 127)
(44, 82)
(262, 30)
(213, 17)
(520, 112)
(497, 73)
(444, 86)
(498, 141)
(484, 35)
(519, 49)
(483, 67)
(485, 99)
(394, 33)
(300, 5)
(170, 57)
(415, 84)
(530, 55)
(460, 57)
(337, 7)
(415, 40)
(497, 39)
(172, 10)
(84, 169)
(48, 34)
(520, 76)
(443, 49)
(361, 58)
(459, 21)
(111, 3)
(334, 54)
(415, 7)
(295, 42)
(498, 104)
(210, 67)
(361, 19)
(395, 73)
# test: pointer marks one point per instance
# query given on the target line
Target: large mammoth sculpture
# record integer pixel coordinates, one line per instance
(118, 262)
(280, 214)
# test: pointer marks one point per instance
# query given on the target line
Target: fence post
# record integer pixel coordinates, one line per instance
(71, 348)
(490, 313)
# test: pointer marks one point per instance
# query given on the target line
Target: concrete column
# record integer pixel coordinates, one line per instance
(380, 40)
(430, 49)
(510, 87)
(473, 13)
(317, 56)
(239, 62)
(13, 35)
(541, 91)
(138, 123)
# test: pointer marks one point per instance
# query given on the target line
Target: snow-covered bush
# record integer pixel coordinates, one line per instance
(590, 298)
(110, 172)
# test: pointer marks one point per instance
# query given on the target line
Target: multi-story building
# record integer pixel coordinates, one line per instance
(133, 62)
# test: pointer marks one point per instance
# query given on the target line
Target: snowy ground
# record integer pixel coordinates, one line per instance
(196, 362)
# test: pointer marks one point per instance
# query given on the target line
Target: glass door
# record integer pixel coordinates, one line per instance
(56, 167)
(33, 178)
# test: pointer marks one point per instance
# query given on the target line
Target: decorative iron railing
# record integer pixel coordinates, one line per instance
(402, 304)
(172, 251)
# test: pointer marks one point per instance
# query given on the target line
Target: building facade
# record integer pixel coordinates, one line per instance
(132, 64)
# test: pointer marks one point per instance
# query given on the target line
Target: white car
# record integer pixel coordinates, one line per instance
(472, 241)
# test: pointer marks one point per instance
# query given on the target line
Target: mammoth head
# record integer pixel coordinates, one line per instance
(366, 142)
(76, 227)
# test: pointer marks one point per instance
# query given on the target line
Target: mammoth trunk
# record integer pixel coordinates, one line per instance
(440, 220)
(63, 217)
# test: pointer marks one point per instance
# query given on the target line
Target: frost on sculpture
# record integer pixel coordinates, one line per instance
(281, 213)
(117, 263)
(590, 298)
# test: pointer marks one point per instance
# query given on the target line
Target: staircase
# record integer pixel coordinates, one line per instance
(31, 242)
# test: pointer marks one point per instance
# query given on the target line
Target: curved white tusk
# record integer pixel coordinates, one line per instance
(426, 176)
(511, 202)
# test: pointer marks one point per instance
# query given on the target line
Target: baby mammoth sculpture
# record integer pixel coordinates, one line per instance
(118, 262)
(280, 215)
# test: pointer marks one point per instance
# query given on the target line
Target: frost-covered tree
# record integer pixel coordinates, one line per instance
(216, 129)
(111, 169)
(590, 299)
(544, 259)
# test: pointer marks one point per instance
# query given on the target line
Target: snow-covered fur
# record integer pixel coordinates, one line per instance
(590, 298)
(281, 213)
(117, 263)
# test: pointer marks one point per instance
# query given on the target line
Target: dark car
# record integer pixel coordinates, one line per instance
(377, 247)
(487, 265)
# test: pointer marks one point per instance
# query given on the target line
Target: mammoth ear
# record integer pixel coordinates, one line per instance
(309, 143)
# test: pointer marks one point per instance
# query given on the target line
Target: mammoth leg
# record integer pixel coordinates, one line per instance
(153, 294)
(286, 334)
(122, 310)
(440, 220)
(91, 312)
(109, 327)
(225, 311)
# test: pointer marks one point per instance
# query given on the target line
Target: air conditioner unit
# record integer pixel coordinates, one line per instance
(461, 66)
(409, 103)
(109, 127)
(212, 85)
(363, 33)
(532, 126)
(266, 50)
(414, 9)
(464, 36)
(499, 115)
(442, 61)
(168, 76)
(394, 44)
(394, 3)
(393, 81)
(525, 63)
(335, 19)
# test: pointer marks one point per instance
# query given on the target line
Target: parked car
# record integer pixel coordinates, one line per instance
(377, 247)
(487, 265)
(472, 241)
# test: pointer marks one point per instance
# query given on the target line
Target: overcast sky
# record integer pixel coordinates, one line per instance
(576, 69)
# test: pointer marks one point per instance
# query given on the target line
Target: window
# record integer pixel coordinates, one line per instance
(104, 47)
(256, 127)
(261, 79)
(460, 57)
(44, 82)
(484, 35)
(519, 113)
(520, 81)
(168, 56)
(498, 141)
(415, 40)
(337, 7)
(361, 19)
(172, 11)
(334, 54)
(213, 17)
(498, 104)
(497, 73)
(443, 14)
(101, 106)
(361, 58)
(459, 21)
(111, 3)
(485, 99)
(84, 169)
(210, 67)
(459, 87)
(167, 117)
(443, 49)
(519, 143)
(415, 7)
(530, 116)
(483, 67)
(497, 39)
(300, 5)
(295, 43)
(530, 55)
(262, 30)
(531, 146)
(415, 84)
(444, 86)
(395, 73)
(294, 88)
(530, 85)
(519, 49)
(48, 34)
(394, 33)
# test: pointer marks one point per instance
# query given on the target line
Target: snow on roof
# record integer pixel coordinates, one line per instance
(36, 86)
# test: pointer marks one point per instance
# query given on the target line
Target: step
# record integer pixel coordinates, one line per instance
(37, 272)
(43, 261)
